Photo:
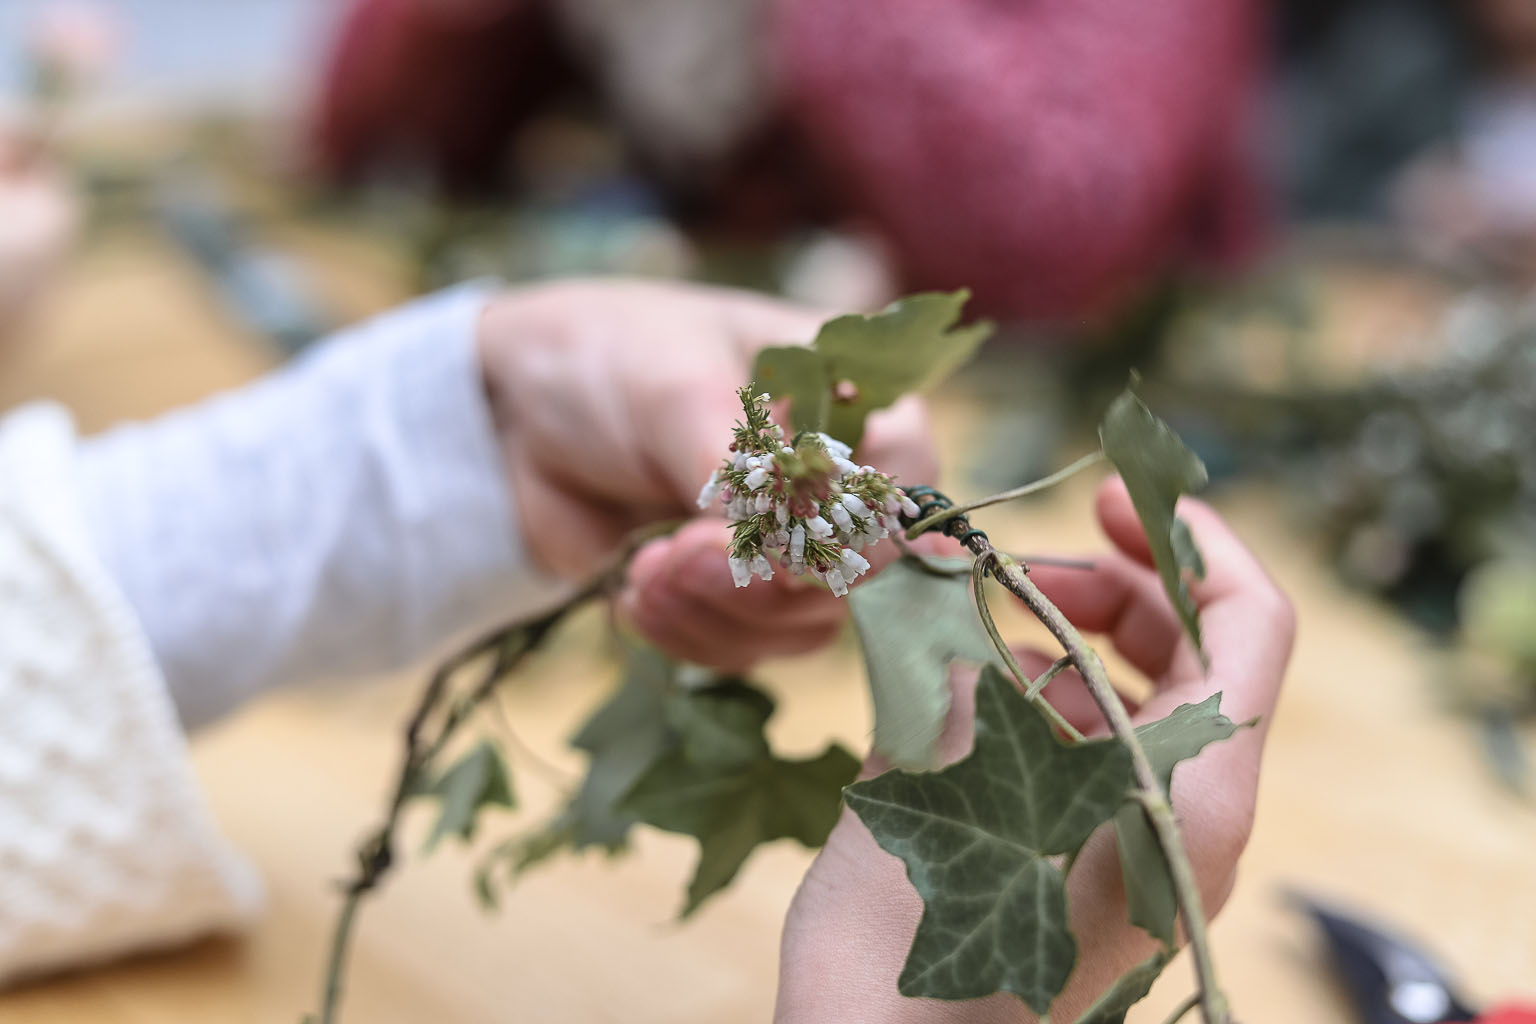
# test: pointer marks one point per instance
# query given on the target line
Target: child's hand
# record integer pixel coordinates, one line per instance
(614, 401)
(853, 919)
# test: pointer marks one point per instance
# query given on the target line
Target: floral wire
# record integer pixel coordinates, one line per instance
(937, 514)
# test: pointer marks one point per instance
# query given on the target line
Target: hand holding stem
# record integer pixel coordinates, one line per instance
(848, 930)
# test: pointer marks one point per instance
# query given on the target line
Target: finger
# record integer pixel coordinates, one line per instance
(695, 410)
(1248, 624)
(1123, 600)
(1066, 692)
(688, 418)
(1230, 566)
(703, 633)
(898, 441)
(694, 561)
(757, 321)
(570, 534)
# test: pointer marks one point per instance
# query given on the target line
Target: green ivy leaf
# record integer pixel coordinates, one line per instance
(1131, 988)
(1148, 886)
(723, 724)
(1185, 552)
(623, 738)
(799, 374)
(911, 345)
(518, 854)
(479, 779)
(1157, 467)
(723, 786)
(975, 838)
(911, 625)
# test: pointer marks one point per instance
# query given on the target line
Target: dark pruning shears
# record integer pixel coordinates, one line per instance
(1393, 981)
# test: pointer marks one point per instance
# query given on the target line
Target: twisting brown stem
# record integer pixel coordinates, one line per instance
(1150, 793)
(506, 648)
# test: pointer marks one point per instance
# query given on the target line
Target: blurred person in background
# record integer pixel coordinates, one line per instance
(1055, 158)
(468, 458)
(1473, 197)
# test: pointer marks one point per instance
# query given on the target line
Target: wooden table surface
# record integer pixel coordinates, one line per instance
(1370, 793)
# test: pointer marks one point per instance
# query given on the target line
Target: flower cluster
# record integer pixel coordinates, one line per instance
(801, 503)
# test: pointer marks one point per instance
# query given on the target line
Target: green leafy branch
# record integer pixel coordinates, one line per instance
(479, 780)
(977, 837)
(988, 841)
(463, 789)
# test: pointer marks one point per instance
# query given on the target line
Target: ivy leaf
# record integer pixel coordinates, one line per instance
(799, 374)
(1131, 988)
(862, 363)
(518, 854)
(723, 786)
(479, 779)
(911, 625)
(975, 838)
(1184, 550)
(624, 737)
(722, 724)
(1148, 886)
(1157, 467)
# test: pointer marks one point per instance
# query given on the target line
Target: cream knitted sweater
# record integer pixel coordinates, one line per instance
(105, 844)
(346, 515)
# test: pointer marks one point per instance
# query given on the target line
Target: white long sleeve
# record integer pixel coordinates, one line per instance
(105, 844)
(346, 515)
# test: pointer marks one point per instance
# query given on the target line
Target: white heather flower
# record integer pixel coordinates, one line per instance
(765, 397)
(908, 507)
(834, 447)
(741, 571)
(840, 516)
(760, 482)
(854, 564)
(710, 491)
(855, 504)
